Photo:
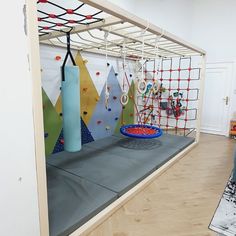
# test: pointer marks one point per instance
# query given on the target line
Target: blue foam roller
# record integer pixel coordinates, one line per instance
(71, 109)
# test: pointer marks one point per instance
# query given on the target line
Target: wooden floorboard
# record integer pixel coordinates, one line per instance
(180, 202)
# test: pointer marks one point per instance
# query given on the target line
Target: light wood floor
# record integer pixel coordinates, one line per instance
(180, 202)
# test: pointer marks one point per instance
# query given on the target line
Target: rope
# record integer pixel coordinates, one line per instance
(107, 94)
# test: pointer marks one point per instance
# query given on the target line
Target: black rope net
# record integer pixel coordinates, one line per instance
(53, 16)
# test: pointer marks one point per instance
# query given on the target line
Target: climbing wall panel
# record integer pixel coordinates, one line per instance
(52, 124)
(104, 121)
(88, 93)
(96, 121)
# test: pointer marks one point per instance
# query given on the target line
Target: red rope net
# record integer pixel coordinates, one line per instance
(174, 107)
(54, 17)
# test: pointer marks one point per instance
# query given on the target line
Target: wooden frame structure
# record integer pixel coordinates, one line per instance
(122, 26)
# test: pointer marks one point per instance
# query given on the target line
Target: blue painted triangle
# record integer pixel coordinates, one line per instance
(85, 133)
(104, 121)
(59, 147)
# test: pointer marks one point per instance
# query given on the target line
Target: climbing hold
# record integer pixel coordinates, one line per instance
(41, 70)
(116, 118)
(108, 127)
(60, 114)
(116, 74)
(58, 58)
(108, 64)
(123, 107)
(85, 89)
(99, 122)
(62, 141)
(85, 112)
(97, 73)
(85, 61)
(131, 114)
(45, 135)
(96, 99)
(109, 109)
(130, 75)
(130, 96)
(114, 97)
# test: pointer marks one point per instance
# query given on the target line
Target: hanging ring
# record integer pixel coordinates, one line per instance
(124, 99)
(142, 86)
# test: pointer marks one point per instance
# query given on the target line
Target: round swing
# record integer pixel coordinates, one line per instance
(140, 131)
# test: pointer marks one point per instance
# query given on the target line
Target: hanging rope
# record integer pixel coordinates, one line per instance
(107, 94)
(142, 85)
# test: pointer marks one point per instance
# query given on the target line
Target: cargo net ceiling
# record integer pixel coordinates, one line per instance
(168, 71)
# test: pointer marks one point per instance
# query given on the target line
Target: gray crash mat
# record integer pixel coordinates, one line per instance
(118, 163)
(73, 201)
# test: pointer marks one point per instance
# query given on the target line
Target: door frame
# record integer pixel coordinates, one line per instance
(229, 67)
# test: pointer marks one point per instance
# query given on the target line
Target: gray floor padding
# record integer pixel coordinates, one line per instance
(118, 163)
(72, 201)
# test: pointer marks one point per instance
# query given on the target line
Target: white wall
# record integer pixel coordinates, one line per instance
(174, 16)
(18, 195)
(213, 28)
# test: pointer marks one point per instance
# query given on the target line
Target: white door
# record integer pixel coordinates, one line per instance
(216, 101)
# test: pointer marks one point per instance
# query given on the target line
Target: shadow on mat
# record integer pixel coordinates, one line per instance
(139, 144)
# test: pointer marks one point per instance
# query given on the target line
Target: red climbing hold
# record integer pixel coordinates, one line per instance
(98, 73)
(46, 28)
(99, 122)
(114, 97)
(43, 1)
(39, 19)
(62, 141)
(58, 58)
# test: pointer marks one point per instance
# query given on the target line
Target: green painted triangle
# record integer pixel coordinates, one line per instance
(128, 111)
(52, 124)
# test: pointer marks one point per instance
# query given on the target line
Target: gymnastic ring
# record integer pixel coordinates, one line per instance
(124, 99)
(142, 86)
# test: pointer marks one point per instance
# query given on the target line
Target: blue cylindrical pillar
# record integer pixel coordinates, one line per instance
(71, 109)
